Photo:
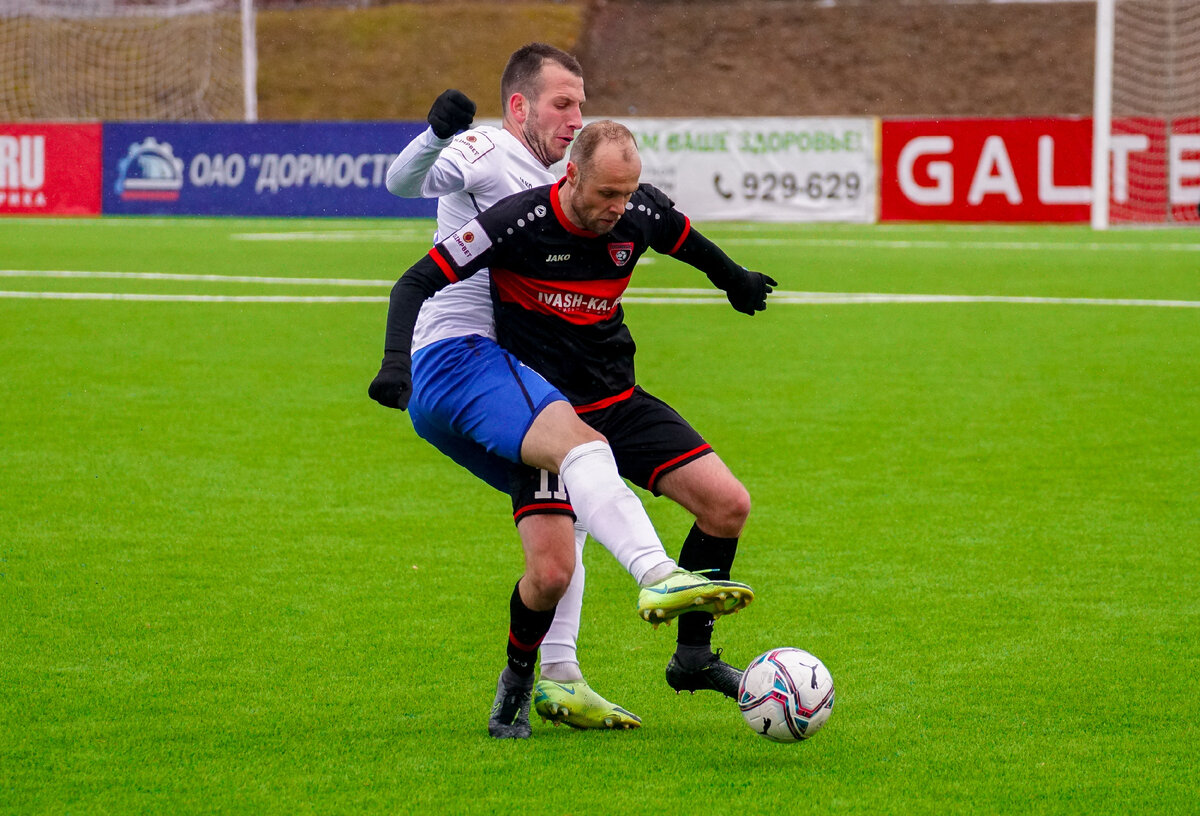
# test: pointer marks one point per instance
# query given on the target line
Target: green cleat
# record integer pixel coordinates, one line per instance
(684, 591)
(579, 707)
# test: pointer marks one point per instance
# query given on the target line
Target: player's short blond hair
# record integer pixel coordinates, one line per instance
(603, 131)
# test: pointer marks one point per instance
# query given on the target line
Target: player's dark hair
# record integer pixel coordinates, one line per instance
(523, 72)
(586, 141)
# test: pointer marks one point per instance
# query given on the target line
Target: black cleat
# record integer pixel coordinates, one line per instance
(715, 674)
(510, 711)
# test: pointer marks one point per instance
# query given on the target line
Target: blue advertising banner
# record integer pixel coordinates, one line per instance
(302, 168)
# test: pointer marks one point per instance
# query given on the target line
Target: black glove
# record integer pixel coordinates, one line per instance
(392, 386)
(748, 291)
(451, 112)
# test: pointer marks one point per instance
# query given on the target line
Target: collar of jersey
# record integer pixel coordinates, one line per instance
(556, 205)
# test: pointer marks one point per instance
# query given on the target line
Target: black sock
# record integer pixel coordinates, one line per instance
(712, 557)
(526, 629)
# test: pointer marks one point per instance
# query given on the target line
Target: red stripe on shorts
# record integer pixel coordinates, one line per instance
(658, 471)
(604, 403)
(548, 507)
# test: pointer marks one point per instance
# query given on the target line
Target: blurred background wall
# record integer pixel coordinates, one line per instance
(388, 60)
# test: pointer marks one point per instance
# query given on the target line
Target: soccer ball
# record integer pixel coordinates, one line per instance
(786, 694)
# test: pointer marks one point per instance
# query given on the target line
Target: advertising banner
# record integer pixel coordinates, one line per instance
(1027, 170)
(49, 169)
(1155, 172)
(302, 169)
(762, 169)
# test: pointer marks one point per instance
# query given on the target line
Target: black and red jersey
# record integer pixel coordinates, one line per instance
(557, 288)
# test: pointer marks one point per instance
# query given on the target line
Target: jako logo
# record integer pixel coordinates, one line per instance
(22, 171)
(149, 172)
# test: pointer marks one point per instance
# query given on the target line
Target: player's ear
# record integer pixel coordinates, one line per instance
(518, 108)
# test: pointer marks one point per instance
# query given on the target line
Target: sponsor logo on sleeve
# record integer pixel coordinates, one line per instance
(473, 145)
(468, 243)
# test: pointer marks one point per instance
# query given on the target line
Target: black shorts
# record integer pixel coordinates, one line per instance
(535, 492)
(649, 439)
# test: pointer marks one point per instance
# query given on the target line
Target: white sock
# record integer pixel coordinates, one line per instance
(610, 511)
(563, 671)
(656, 574)
(559, 661)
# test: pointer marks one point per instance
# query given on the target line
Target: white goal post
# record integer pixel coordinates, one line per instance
(1146, 113)
(121, 60)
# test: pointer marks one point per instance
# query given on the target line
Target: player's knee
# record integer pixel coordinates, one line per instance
(550, 578)
(726, 514)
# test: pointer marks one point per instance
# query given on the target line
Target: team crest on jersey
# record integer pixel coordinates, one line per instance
(621, 253)
(468, 243)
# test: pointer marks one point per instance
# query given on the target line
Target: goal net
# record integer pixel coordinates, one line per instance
(1154, 110)
(70, 60)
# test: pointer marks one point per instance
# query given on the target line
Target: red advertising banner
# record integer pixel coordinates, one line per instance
(1155, 173)
(1183, 170)
(50, 169)
(1026, 170)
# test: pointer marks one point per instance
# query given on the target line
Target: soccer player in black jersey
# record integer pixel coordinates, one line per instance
(560, 258)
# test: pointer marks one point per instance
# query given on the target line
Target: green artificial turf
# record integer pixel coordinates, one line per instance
(231, 583)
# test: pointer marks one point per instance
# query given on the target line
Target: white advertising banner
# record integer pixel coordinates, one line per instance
(763, 169)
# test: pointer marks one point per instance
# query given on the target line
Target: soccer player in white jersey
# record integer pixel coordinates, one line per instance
(542, 90)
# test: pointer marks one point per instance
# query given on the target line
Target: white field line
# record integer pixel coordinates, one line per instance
(338, 235)
(168, 276)
(818, 298)
(662, 295)
(402, 234)
(141, 221)
(834, 243)
(193, 298)
(1023, 246)
(814, 299)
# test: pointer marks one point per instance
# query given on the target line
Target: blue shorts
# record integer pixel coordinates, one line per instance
(474, 402)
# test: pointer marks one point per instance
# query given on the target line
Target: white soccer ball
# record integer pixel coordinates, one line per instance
(786, 694)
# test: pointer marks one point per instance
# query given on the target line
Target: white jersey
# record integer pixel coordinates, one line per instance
(467, 174)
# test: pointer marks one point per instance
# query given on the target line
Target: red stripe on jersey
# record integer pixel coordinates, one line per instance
(443, 264)
(567, 224)
(604, 403)
(687, 227)
(658, 471)
(579, 302)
